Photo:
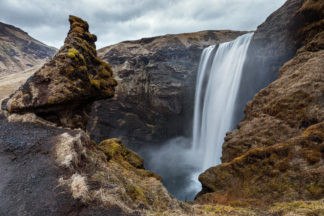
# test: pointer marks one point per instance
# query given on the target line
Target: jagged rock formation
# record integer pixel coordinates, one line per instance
(19, 51)
(63, 88)
(155, 92)
(277, 152)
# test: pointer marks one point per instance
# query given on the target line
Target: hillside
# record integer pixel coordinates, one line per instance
(19, 51)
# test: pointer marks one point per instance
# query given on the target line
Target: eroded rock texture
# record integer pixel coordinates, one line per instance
(272, 45)
(63, 89)
(277, 154)
(156, 85)
(46, 170)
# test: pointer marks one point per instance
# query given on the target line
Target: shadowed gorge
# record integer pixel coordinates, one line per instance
(215, 122)
(155, 93)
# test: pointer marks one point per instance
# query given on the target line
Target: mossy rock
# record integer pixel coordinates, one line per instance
(114, 149)
(286, 171)
(309, 208)
(74, 78)
(73, 53)
(136, 193)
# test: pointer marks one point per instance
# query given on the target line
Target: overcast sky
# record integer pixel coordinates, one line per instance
(118, 20)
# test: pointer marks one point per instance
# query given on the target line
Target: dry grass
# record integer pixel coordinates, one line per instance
(79, 187)
(66, 154)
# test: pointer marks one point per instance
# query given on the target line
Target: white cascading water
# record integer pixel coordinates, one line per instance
(217, 85)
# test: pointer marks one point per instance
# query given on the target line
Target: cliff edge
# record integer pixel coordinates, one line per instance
(277, 152)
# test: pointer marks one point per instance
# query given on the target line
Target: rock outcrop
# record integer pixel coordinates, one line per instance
(46, 170)
(155, 92)
(277, 152)
(272, 45)
(19, 51)
(63, 89)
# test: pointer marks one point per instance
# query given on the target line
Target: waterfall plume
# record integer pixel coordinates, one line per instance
(217, 85)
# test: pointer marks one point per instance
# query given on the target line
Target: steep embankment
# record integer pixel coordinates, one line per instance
(277, 152)
(19, 51)
(273, 44)
(155, 94)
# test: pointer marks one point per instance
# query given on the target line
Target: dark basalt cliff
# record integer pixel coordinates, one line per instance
(64, 88)
(156, 84)
(19, 51)
(272, 45)
(277, 152)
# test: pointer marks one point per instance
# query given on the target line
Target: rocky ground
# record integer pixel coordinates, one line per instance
(19, 51)
(49, 170)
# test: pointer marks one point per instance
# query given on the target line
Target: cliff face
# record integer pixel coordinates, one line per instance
(272, 45)
(65, 86)
(156, 84)
(277, 152)
(19, 51)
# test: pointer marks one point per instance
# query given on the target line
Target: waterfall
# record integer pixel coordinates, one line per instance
(217, 85)
(218, 80)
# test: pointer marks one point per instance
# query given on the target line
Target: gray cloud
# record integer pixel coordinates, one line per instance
(117, 20)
